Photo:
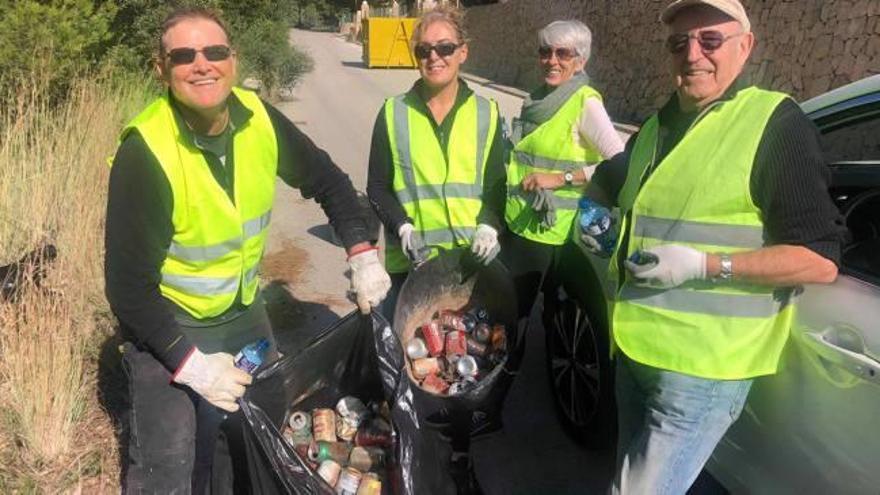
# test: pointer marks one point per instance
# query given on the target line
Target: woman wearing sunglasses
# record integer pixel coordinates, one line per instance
(436, 173)
(563, 131)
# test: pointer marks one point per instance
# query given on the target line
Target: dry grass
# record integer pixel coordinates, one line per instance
(54, 436)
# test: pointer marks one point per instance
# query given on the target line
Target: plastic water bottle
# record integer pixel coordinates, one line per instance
(251, 356)
(594, 220)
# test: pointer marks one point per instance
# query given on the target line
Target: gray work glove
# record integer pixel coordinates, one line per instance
(214, 377)
(544, 205)
(412, 244)
(485, 245)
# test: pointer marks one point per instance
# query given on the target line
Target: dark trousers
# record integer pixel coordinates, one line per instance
(178, 442)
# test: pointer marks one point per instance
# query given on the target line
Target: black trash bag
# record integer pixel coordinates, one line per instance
(436, 426)
(340, 361)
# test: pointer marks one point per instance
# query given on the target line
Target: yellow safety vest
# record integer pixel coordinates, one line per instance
(699, 196)
(443, 195)
(217, 244)
(549, 148)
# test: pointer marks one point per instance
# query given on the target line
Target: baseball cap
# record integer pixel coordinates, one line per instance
(733, 8)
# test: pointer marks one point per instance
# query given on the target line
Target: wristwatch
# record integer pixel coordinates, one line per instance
(569, 177)
(726, 272)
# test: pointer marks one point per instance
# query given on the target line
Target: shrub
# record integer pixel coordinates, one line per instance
(266, 54)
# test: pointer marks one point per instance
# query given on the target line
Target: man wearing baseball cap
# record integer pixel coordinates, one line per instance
(725, 211)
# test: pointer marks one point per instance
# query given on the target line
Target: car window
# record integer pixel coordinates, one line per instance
(855, 142)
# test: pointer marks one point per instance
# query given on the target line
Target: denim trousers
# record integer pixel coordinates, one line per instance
(669, 424)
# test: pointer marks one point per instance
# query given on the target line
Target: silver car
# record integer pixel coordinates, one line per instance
(814, 427)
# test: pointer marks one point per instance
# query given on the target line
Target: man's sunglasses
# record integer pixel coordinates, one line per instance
(709, 41)
(444, 49)
(212, 53)
(564, 54)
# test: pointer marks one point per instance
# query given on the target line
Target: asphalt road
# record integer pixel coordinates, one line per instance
(336, 105)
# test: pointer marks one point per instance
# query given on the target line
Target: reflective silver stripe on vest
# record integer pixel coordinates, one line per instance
(401, 136)
(746, 236)
(484, 111)
(251, 228)
(448, 236)
(709, 302)
(251, 274)
(548, 163)
(559, 203)
(202, 286)
(450, 190)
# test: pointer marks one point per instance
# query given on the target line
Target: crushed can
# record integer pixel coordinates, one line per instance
(373, 434)
(329, 471)
(348, 483)
(366, 458)
(345, 428)
(456, 343)
(353, 409)
(482, 333)
(336, 451)
(421, 368)
(452, 320)
(370, 485)
(433, 383)
(433, 335)
(324, 425)
(475, 348)
(499, 337)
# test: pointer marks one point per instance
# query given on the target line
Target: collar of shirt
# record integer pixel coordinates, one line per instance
(414, 98)
(238, 116)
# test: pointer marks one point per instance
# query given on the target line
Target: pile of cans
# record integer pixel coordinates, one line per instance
(449, 354)
(348, 447)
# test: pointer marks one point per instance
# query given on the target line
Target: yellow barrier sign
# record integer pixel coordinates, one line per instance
(386, 42)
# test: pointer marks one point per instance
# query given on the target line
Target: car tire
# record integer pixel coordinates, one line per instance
(579, 370)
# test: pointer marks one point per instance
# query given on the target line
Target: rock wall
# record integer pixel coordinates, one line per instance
(804, 47)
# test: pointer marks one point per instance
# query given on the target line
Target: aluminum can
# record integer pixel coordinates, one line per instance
(348, 482)
(329, 470)
(481, 315)
(499, 338)
(300, 420)
(452, 320)
(345, 428)
(353, 408)
(324, 425)
(416, 348)
(335, 451)
(433, 336)
(366, 458)
(433, 383)
(373, 434)
(425, 366)
(456, 343)
(475, 348)
(467, 366)
(470, 321)
(482, 333)
(370, 485)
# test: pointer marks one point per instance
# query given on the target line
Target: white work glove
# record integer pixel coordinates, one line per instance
(369, 280)
(214, 377)
(412, 244)
(675, 265)
(591, 244)
(485, 244)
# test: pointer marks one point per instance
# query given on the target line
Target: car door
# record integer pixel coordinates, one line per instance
(814, 427)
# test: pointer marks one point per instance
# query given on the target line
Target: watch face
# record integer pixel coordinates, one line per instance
(568, 177)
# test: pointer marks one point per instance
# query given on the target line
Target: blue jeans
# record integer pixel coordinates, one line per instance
(669, 424)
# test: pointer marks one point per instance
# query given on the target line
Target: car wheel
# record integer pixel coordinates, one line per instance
(580, 371)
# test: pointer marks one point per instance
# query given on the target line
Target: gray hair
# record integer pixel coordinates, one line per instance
(570, 34)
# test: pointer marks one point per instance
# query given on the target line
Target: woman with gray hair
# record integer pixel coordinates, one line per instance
(562, 133)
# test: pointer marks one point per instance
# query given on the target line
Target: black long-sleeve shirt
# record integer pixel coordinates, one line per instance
(381, 167)
(139, 222)
(789, 180)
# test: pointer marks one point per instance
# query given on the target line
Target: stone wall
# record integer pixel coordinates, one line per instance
(804, 47)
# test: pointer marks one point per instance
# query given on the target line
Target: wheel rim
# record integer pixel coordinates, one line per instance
(574, 364)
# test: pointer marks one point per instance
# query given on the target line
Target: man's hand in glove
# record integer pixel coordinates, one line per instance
(412, 244)
(675, 265)
(485, 244)
(369, 280)
(214, 377)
